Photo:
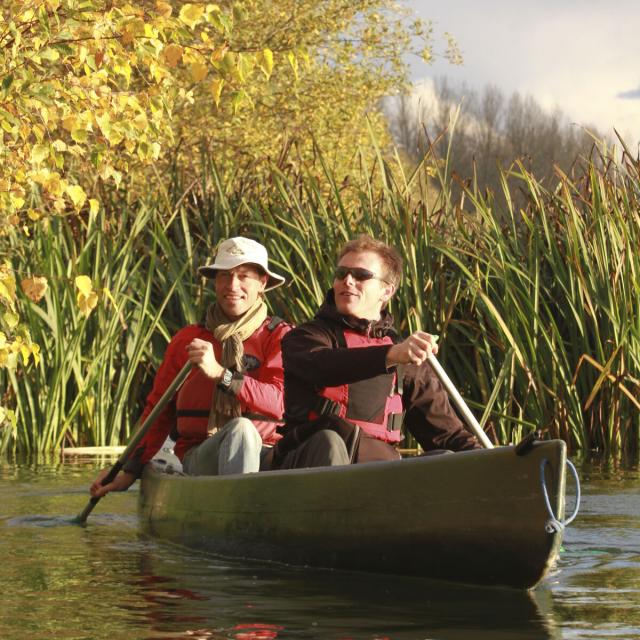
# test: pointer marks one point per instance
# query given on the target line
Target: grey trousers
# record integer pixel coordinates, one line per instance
(235, 448)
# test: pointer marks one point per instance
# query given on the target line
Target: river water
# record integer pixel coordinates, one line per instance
(106, 580)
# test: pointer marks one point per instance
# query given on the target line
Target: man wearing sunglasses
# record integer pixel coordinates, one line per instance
(350, 382)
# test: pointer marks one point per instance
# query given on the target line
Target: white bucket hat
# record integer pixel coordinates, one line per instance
(236, 251)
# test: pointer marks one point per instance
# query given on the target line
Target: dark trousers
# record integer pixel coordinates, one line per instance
(326, 448)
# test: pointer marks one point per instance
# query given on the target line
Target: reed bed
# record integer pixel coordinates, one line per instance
(536, 303)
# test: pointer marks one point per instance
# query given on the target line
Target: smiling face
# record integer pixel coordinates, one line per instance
(237, 289)
(362, 298)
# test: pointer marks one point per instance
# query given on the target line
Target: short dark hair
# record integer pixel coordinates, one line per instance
(390, 257)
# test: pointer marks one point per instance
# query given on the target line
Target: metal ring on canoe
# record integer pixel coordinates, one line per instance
(554, 525)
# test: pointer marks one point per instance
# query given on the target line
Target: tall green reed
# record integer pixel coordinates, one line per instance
(536, 302)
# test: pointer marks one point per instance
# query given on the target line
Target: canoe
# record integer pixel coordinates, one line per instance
(477, 517)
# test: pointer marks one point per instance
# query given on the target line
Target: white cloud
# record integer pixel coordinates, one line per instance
(580, 57)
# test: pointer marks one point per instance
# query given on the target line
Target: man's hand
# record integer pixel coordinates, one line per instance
(121, 483)
(414, 350)
(200, 353)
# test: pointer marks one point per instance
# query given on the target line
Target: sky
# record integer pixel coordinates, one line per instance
(582, 57)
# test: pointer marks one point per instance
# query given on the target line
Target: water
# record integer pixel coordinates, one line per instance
(105, 580)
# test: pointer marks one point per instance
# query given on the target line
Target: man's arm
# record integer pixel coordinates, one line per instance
(308, 353)
(263, 394)
(429, 415)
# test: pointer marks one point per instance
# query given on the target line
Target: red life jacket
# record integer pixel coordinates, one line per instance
(193, 404)
(195, 396)
(374, 404)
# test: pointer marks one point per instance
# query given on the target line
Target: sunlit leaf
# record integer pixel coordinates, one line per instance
(39, 153)
(265, 62)
(10, 319)
(87, 303)
(77, 195)
(84, 285)
(293, 61)
(190, 14)
(216, 90)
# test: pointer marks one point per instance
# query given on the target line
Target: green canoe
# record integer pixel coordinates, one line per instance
(474, 517)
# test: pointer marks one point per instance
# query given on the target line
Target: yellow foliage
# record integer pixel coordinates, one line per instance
(93, 93)
(87, 298)
(84, 285)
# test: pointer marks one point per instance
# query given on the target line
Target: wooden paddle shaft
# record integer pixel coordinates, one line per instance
(135, 441)
(458, 400)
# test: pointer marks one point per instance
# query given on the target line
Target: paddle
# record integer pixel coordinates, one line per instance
(124, 456)
(458, 400)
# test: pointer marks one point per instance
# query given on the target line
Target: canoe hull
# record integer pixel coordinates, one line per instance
(476, 517)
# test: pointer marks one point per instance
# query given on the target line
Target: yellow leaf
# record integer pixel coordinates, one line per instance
(240, 99)
(219, 53)
(293, 61)
(7, 286)
(33, 214)
(25, 352)
(216, 90)
(39, 152)
(34, 288)
(94, 206)
(11, 319)
(51, 55)
(52, 5)
(190, 14)
(172, 54)
(79, 134)
(104, 122)
(87, 303)
(245, 66)
(164, 9)
(16, 201)
(77, 195)
(35, 351)
(265, 62)
(84, 285)
(198, 71)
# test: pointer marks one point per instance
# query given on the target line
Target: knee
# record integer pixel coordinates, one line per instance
(327, 438)
(329, 445)
(243, 428)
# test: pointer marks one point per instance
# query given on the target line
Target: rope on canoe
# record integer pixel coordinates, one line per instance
(553, 524)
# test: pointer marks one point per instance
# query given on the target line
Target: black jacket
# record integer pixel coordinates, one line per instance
(313, 359)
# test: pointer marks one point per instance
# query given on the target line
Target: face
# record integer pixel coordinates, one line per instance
(237, 289)
(362, 298)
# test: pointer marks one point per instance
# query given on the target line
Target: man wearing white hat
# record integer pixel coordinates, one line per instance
(224, 416)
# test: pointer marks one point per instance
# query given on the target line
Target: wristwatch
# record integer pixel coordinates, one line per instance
(226, 380)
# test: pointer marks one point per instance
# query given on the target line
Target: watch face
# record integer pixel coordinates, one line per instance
(227, 377)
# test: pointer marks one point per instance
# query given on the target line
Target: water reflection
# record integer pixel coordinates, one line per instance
(105, 580)
(187, 594)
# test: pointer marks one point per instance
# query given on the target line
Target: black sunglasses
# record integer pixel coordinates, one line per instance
(357, 273)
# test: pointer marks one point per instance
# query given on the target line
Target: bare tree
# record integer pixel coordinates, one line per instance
(491, 131)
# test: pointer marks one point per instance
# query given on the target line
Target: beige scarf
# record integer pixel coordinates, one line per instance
(231, 334)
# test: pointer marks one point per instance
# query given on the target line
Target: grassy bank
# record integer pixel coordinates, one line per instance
(536, 305)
